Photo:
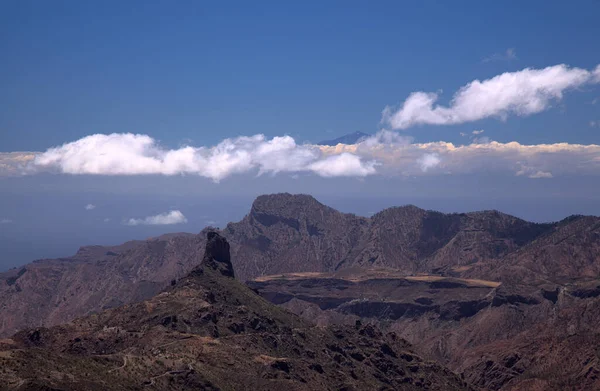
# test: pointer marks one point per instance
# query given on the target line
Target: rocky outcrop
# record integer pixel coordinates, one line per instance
(216, 254)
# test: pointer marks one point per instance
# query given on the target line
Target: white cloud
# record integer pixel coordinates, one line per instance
(429, 160)
(531, 172)
(477, 131)
(386, 153)
(106, 220)
(16, 163)
(172, 217)
(345, 164)
(462, 134)
(509, 54)
(481, 156)
(5, 221)
(387, 138)
(521, 93)
(90, 207)
(593, 124)
(541, 174)
(136, 154)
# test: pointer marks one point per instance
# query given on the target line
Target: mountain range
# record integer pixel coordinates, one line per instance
(502, 301)
(210, 332)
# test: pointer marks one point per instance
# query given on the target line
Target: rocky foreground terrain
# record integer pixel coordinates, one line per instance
(210, 332)
(506, 303)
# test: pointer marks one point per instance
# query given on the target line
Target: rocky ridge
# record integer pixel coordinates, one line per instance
(286, 233)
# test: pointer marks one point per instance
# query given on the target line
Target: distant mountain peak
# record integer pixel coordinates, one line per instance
(409, 208)
(283, 203)
(351, 138)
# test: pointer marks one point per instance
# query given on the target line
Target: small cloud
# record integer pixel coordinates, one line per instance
(533, 173)
(594, 124)
(594, 101)
(106, 220)
(429, 160)
(90, 207)
(211, 222)
(5, 221)
(463, 134)
(345, 164)
(172, 217)
(478, 131)
(541, 174)
(508, 55)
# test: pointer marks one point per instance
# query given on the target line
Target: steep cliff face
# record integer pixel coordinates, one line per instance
(211, 332)
(284, 233)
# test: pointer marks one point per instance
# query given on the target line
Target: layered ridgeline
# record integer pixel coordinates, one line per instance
(295, 233)
(211, 332)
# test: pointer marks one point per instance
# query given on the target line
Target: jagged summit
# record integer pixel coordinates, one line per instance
(216, 254)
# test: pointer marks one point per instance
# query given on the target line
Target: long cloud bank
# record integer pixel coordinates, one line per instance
(386, 153)
(137, 154)
(521, 93)
(539, 161)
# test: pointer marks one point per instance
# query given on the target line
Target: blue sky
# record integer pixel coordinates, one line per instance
(203, 71)
(138, 98)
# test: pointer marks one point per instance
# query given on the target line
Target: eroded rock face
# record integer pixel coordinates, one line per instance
(216, 254)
